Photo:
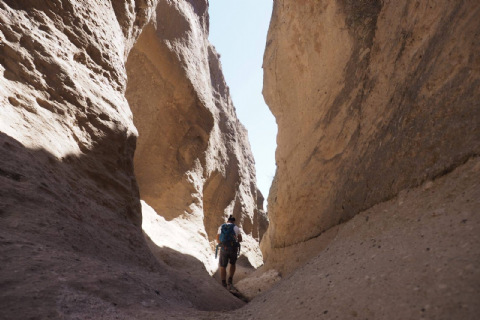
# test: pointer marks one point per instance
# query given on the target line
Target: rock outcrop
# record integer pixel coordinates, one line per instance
(71, 217)
(256, 284)
(371, 98)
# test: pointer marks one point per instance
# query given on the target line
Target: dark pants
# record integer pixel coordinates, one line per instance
(228, 254)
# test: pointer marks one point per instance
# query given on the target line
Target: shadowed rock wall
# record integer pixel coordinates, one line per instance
(70, 212)
(371, 97)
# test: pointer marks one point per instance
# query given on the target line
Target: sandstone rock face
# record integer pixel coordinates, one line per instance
(193, 163)
(371, 97)
(70, 211)
(260, 221)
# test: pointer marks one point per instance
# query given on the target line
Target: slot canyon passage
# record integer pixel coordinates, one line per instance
(121, 154)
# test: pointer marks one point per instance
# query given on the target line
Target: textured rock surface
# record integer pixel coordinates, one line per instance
(261, 222)
(193, 162)
(70, 229)
(371, 97)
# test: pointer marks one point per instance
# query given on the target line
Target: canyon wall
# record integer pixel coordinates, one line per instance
(193, 161)
(70, 209)
(373, 209)
(371, 98)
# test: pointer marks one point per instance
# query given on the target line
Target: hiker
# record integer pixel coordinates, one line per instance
(228, 237)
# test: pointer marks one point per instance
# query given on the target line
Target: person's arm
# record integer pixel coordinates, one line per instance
(218, 234)
(238, 233)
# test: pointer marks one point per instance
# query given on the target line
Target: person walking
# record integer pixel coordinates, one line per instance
(229, 238)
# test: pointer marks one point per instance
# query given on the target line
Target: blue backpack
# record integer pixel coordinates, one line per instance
(227, 235)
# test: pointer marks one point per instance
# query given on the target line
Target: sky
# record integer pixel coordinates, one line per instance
(238, 30)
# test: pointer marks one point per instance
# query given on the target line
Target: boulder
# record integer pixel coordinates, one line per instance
(255, 284)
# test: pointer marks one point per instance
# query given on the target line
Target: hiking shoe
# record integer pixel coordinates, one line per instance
(231, 287)
(224, 284)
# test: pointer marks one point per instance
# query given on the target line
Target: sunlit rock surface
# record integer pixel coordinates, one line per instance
(70, 212)
(193, 162)
(371, 97)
